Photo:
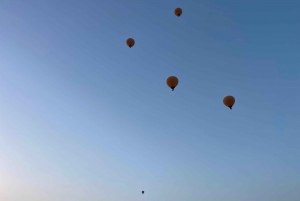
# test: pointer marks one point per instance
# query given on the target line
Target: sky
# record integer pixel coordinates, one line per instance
(84, 117)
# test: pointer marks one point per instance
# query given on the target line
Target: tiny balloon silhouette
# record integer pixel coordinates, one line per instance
(130, 42)
(142, 192)
(172, 82)
(229, 101)
(178, 12)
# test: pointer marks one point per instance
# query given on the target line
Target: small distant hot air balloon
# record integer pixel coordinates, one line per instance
(142, 192)
(172, 82)
(130, 42)
(229, 101)
(178, 12)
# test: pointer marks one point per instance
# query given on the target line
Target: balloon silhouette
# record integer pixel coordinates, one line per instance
(172, 82)
(178, 12)
(142, 192)
(229, 101)
(130, 42)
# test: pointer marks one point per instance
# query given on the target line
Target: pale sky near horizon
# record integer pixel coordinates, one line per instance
(84, 117)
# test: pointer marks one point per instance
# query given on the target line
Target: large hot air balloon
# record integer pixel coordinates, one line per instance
(178, 12)
(172, 82)
(229, 101)
(130, 42)
(142, 192)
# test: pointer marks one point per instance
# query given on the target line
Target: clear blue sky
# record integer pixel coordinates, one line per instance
(84, 117)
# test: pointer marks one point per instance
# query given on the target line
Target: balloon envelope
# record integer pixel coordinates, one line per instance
(130, 42)
(178, 12)
(172, 82)
(229, 101)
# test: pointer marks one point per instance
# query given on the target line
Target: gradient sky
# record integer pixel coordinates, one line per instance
(84, 117)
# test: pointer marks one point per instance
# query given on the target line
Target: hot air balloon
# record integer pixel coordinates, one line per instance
(172, 82)
(178, 12)
(142, 192)
(130, 42)
(229, 101)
